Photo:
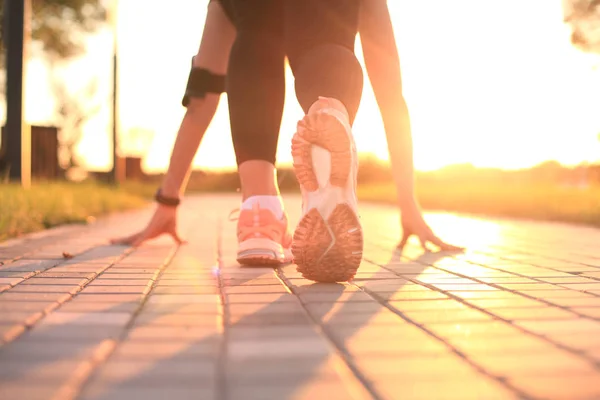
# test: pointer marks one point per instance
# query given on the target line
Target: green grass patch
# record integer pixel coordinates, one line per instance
(46, 205)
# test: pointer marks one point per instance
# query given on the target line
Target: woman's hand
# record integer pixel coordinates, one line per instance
(164, 221)
(413, 223)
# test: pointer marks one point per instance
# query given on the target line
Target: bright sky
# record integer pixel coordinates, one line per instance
(493, 83)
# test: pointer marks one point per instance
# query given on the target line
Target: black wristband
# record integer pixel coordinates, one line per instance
(166, 201)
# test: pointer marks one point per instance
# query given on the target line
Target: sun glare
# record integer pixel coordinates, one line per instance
(478, 92)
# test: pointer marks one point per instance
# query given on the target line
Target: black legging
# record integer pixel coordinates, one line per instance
(317, 36)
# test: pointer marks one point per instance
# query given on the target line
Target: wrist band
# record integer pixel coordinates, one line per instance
(166, 201)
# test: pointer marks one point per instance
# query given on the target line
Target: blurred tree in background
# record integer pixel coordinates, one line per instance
(59, 29)
(584, 18)
(58, 26)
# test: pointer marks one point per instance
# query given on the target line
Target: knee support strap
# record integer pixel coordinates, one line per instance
(200, 82)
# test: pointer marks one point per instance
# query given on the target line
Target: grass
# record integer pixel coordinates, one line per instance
(46, 205)
(533, 201)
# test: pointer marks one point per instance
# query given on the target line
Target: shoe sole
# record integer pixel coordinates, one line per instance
(260, 252)
(326, 249)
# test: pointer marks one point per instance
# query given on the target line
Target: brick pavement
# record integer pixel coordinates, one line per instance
(515, 317)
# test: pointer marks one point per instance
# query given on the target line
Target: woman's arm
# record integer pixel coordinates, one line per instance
(213, 55)
(383, 68)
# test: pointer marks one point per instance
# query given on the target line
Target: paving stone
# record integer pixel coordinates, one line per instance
(182, 308)
(270, 370)
(473, 329)
(104, 391)
(178, 319)
(560, 387)
(479, 388)
(413, 295)
(110, 275)
(414, 367)
(356, 334)
(25, 288)
(76, 306)
(250, 332)
(511, 279)
(27, 353)
(559, 294)
(537, 364)
(593, 312)
(573, 326)
(570, 279)
(73, 332)
(515, 302)
(158, 372)
(10, 281)
(8, 327)
(119, 282)
(521, 287)
(53, 274)
(185, 290)
(255, 289)
(291, 319)
(103, 289)
(8, 306)
(164, 281)
(89, 318)
(27, 297)
(161, 349)
(508, 344)
(452, 287)
(417, 345)
(281, 348)
(260, 298)
(433, 316)
(20, 390)
(184, 299)
(29, 265)
(427, 305)
(172, 332)
(108, 297)
(305, 389)
(56, 281)
(576, 302)
(517, 314)
(257, 309)
(43, 372)
(578, 340)
(20, 317)
(485, 294)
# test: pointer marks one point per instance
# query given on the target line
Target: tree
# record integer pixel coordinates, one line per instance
(58, 26)
(584, 18)
(58, 31)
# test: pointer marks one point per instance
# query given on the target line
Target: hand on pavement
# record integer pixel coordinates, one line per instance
(164, 221)
(413, 223)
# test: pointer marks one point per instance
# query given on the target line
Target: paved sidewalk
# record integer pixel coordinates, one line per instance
(515, 317)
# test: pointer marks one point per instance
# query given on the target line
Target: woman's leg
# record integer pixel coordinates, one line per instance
(256, 89)
(320, 37)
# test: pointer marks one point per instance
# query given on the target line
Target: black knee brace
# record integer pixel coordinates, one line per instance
(200, 82)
